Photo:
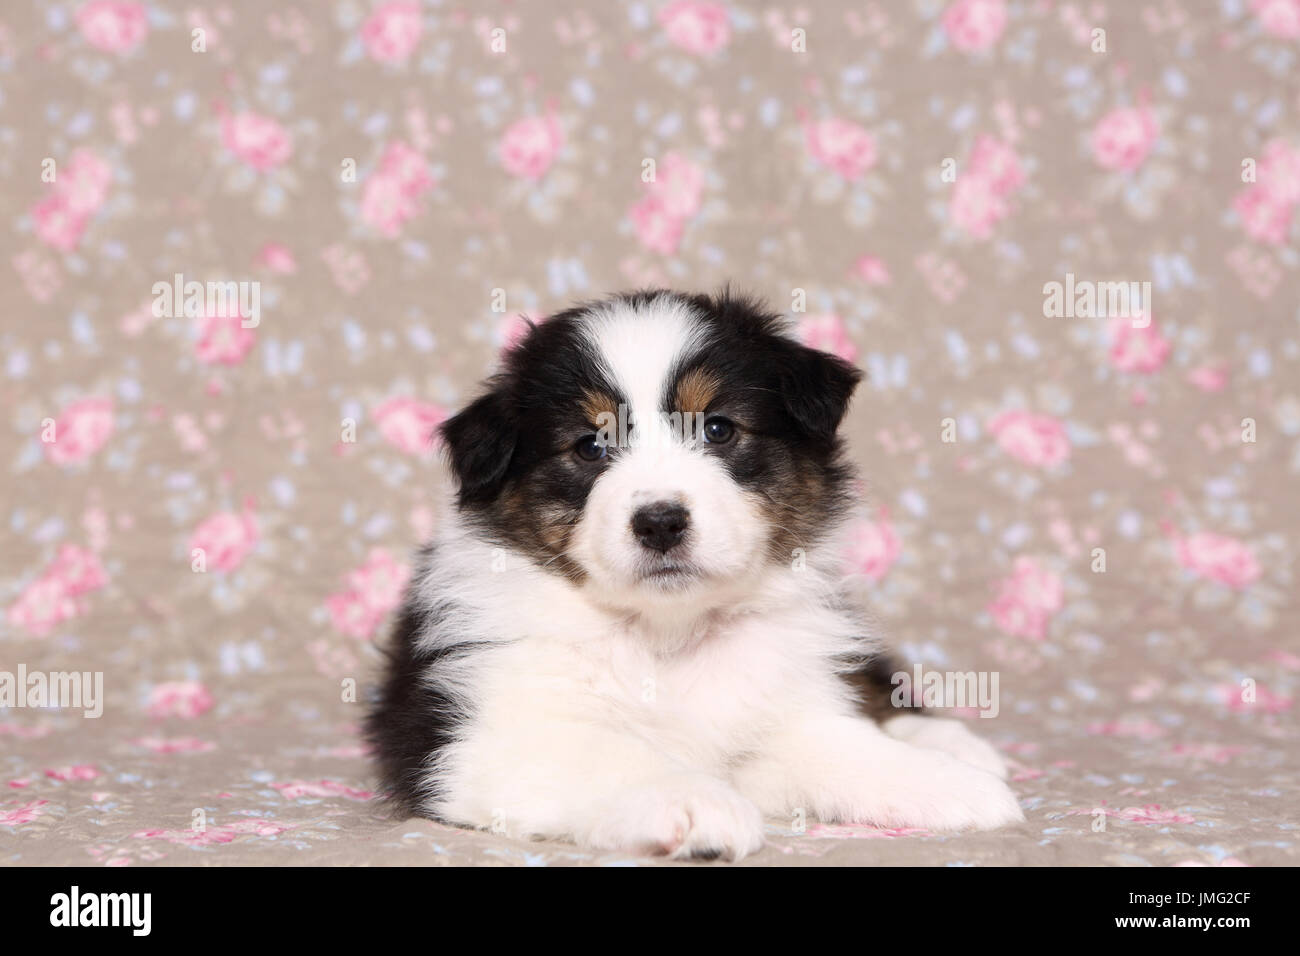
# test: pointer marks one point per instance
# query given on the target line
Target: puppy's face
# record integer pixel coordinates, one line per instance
(656, 447)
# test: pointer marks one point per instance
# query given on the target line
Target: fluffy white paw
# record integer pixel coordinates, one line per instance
(934, 791)
(950, 736)
(685, 817)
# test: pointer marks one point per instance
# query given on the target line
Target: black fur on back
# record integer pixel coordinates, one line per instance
(409, 721)
(873, 683)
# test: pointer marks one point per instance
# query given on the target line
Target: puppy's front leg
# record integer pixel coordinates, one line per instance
(600, 788)
(844, 768)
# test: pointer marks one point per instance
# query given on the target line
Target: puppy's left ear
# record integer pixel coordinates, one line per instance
(817, 387)
(480, 442)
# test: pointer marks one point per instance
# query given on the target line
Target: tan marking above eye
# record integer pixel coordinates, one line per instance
(595, 404)
(695, 391)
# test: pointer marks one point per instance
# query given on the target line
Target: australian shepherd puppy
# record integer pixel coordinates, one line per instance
(631, 632)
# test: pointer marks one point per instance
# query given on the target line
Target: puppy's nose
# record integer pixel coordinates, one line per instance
(660, 525)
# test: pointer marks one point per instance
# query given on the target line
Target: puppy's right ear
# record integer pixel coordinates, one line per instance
(480, 442)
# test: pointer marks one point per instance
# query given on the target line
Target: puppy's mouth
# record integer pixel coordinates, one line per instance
(670, 572)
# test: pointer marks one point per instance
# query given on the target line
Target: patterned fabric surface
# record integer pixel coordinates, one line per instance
(213, 507)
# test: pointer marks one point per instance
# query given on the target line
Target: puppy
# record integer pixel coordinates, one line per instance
(630, 632)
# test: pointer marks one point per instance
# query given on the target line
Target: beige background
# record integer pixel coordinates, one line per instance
(1129, 700)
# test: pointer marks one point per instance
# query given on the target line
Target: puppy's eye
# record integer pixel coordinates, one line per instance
(590, 448)
(719, 430)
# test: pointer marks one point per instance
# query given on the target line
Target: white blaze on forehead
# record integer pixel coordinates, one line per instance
(639, 348)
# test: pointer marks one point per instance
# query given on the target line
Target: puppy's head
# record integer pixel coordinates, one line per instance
(657, 447)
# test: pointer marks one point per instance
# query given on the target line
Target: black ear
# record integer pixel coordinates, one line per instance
(816, 386)
(480, 441)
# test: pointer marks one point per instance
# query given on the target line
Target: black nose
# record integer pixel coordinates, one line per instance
(661, 525)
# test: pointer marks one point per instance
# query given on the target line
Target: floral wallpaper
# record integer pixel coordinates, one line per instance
(257, 251)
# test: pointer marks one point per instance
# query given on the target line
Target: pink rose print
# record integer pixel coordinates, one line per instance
(1281, 18)
(997, 163)
(56, 224)
(978, 200)
(409, 424)
(1033, 439)
(1279, 171)
(974, 25)
(43, 604)
(386, 206)
(656, 228)
(1288, 660)
(678, 185)
(215, 834)
(873, 548)
(184, 699)
(1208, 378)
(1141, 729)
(390, 197)
(85, 182)
(373, 590)
(1234, 698)
(175, 745)
(659, 217)
(226, 539)
(52, 598)
(83, 428)
(1219, 558)
(77, 193)
(530, 145)
(77, 570)
(297, 789)
(844, 146)
(223, 340)
(1124, 137)
(976, 207)
(829, 334)
(256, 140)
(392, 32)
(277, 258)
(1137, 349)
(24, 813)
(407, 166)
(1027, 600)
(348, 268)
(351, 616)
(1267, 206)
(871, 270)
(700, 28)
(1151, 813)
(114, 26)
(1264, 217)
(75, 772)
